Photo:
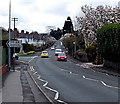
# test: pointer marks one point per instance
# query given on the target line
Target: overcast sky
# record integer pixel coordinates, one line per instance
(36, 15)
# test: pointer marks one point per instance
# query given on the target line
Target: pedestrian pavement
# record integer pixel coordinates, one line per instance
(12, 88)
(15, 87)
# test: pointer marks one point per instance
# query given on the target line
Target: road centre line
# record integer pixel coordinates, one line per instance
(92, 79)
(70, 72)
(57, 93)
(83, 76)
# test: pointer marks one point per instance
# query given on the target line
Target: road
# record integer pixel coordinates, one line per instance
(73, 83)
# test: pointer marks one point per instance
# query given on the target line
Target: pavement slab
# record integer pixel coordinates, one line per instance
(12, 89)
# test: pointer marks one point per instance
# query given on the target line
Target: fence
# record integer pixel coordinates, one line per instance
(3, 60)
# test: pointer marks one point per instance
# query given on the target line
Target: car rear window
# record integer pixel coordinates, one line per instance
(44, 52)
(62, 54)
(58, 50)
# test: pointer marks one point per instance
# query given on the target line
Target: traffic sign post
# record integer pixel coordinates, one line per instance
(14, 43)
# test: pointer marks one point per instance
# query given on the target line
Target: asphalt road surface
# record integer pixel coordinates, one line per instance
(73, 82)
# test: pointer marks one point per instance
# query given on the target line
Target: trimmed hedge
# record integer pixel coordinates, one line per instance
(108, 38)
(28, 47)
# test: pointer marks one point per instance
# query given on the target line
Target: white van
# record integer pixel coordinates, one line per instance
(57, 51)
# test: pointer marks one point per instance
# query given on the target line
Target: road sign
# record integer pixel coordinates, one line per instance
(72, 37)
(14, 43)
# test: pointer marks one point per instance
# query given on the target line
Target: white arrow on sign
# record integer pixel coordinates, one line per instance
(7, 43)
(14, 43)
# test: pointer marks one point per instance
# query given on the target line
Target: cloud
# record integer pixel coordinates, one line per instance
(36, 15)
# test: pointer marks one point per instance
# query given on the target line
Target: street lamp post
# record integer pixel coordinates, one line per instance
(74, 46)
(9, 49)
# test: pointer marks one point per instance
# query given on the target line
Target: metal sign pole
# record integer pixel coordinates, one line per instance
(9, 49)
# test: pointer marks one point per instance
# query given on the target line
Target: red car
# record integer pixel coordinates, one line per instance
(62, 57)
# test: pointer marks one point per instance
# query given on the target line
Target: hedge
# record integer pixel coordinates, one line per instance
(108, 38)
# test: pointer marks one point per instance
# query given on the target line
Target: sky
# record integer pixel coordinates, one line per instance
(37, 15)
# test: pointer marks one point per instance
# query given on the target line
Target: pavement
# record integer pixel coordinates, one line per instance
(14, 83)
(15, 87)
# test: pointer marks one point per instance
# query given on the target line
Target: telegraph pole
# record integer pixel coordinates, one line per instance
(9, 49)
(14, 20)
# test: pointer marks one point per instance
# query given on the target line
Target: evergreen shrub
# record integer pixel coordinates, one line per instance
(108, 38)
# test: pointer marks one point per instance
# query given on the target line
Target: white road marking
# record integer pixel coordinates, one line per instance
(62, 101)
(107, 74)
(109, 85)
(83, 76)
(24, 62)
(41, 90)
(75, 74)
(70, 72)
(45, 84)
(34, 73)
(62, 69)
(66, 71)
(32, 58)
(31, 67)
(91, 79)
(57, 93)
(77, 64)
(103, 83)
(39, 77)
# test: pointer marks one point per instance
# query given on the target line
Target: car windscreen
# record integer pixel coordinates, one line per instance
(61, 54)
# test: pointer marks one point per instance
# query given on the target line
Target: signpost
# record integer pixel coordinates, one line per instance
(14, 43)
(9, 49)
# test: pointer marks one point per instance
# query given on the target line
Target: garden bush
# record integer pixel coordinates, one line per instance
(108, 38)
(28, 47)
(91, 52)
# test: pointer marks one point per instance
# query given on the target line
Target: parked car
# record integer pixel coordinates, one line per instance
(62, 56)
(57, 51)
(44, 54)
(31, 52)
(52, 48)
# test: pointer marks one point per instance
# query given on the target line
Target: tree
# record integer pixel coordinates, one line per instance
(56, 33)
(95, 18)
(68, 26)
